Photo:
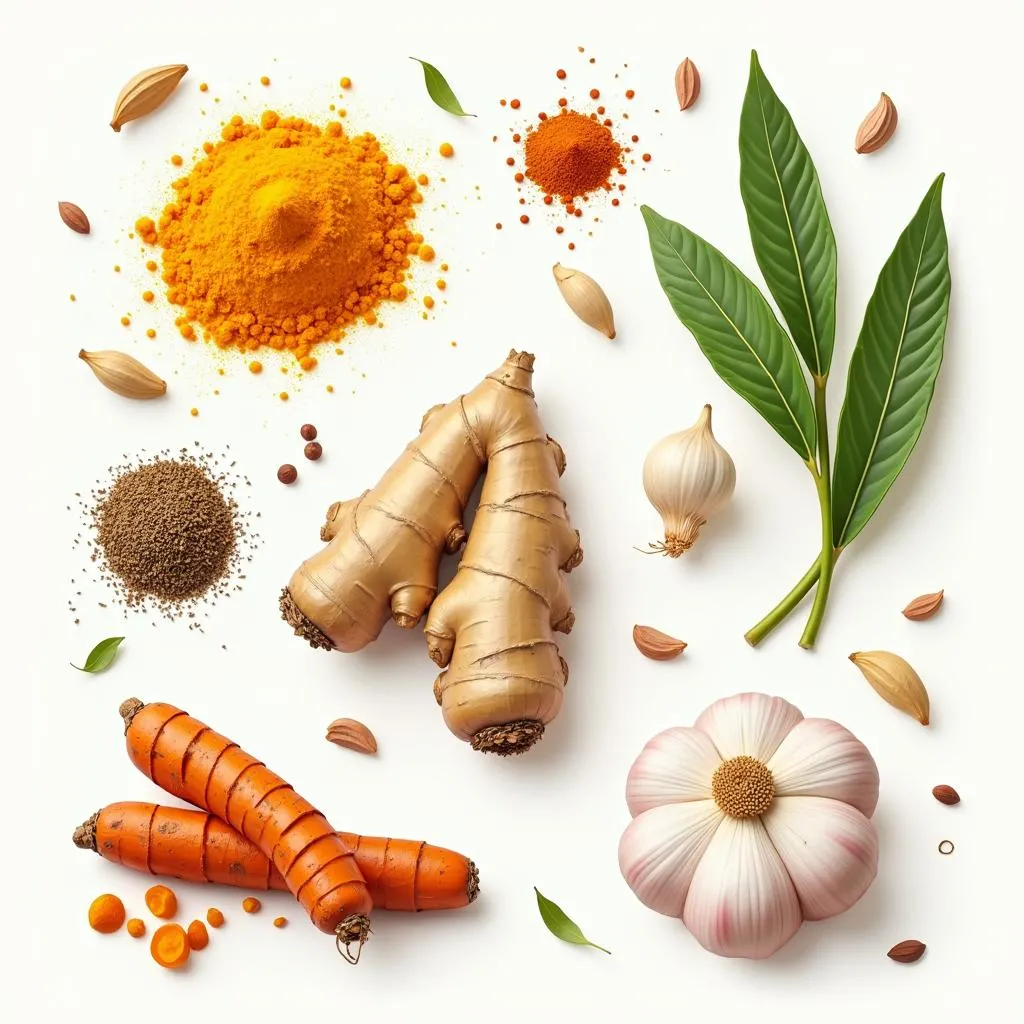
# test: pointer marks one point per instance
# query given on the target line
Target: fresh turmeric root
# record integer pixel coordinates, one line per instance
(493, 626)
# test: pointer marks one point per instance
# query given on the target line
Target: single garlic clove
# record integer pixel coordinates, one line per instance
(586, 299)
(829, 849)
(657, 646)
(688, 477)
(895, 681)
(819, 757)
(123, 374)
(661, 848)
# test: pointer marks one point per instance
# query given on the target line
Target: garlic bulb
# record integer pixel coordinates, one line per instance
(751, 822)
(688, 477)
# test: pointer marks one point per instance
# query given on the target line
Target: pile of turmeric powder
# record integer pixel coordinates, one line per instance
(284, 233)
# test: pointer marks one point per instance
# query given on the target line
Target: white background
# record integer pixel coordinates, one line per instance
(552, 818)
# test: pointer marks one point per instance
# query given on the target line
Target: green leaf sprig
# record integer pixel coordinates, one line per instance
(561, 926)
(102, 655)
(440, 91)
(894, 365)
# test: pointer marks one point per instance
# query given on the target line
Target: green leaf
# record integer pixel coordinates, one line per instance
(102, 655)
(561, 926)
(440, 91)
(735, 328)
(893, 369)
(789, 225)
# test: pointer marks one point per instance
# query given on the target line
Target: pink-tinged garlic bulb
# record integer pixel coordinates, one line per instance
(688, 477)
(751, 822)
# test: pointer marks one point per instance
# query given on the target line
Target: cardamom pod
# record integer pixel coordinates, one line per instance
(877, 128)
(585, 298)
(74, 216)
(123, 374)
(687, 84)
(654, 644)
(924, 607)
(145, 92)
(895, 682)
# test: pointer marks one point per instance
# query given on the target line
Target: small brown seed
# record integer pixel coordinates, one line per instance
(907, 952)
(74, 217)
(308, 432)
(654, 644)
(687, 84)
(924, 607)
(287, 474)
(353, 735)
(946, 795)
(313, 451)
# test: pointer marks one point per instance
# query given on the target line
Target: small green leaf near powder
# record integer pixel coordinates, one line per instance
(440, 91)
(102, 655)
(561, 926)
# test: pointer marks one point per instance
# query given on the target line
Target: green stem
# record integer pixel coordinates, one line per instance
(784, 607)
(823, 480)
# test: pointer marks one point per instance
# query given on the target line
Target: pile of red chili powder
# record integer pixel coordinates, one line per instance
(572, 156)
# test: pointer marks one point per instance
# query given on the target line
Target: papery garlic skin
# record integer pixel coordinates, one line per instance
(744, 885)
(688, 477)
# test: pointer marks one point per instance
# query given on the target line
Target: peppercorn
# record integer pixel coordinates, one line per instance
(308, 432)
(313, 451)
(287, 474)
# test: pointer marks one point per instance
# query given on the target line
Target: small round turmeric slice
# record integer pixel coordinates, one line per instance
(170, 947)
(136, 927)
(161, 901)
(251, 905)
(214, 917)
(198, 936)
(106, 913)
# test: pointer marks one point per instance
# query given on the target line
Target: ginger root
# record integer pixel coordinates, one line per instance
(492, 628)
(385, 546)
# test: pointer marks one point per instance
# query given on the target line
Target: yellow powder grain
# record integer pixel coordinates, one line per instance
(446, 150)
(284, 234)
(346, 82)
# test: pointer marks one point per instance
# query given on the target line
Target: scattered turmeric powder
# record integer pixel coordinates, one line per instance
(126, 321)
(198, 936)
(177, 160)
(151, 265)
(136, 927)
(106, 914)
(255, 366)
(203, 87)
(264, 80)
(169, 947)
(161, 901)
(147, 296)
(428, 301)
(446, 149)
(280, 922)
(150, 333)
(251, 905)
(346, 82)
(284, 234)
(214, 917)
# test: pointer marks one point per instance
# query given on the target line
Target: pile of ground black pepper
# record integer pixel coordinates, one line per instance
(168, 535)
